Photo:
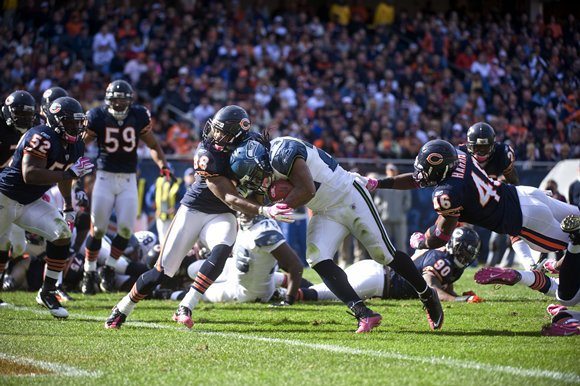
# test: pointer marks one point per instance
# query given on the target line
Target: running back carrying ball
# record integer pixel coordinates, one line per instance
(279, 190)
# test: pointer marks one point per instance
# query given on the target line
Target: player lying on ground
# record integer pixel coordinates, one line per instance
(206, 214)
(464, 192)
(341, 205)
(440, 268)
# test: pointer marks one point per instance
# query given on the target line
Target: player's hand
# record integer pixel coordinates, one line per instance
(372, 184)
(474, 299)
(166, 172)
(82, 167)
(81, 198)
(69, 215)
(280, 212)
(417, 239)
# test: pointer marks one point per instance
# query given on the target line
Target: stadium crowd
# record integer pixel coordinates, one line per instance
(355, 81)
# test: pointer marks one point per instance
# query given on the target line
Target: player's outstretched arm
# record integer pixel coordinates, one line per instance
(34, 171)
(304, 189)
(436, 236)
(89, 136)
(223, 188)
(289, 262)
(401, 182)
(157, 153)
(433, 282)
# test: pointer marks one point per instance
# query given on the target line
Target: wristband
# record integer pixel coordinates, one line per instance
(386, 183)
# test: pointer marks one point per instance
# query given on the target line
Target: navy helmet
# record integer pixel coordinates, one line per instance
(463, 246)
(250, 163)
(227, 128)
(19, 110)
(481, 141)
(67, 118)
(435, 162)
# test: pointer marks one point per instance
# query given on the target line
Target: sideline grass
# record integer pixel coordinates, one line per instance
(496, 342)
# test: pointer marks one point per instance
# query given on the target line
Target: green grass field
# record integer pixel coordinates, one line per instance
(496, 342)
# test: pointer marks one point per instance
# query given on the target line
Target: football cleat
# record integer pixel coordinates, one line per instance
(563, 327)
(555, 309)
(550, 266)
(571, 225)
(3, 303)
(183, 316)
(432, 306)
(89, 283)
(496, 275)
(116, 319)
(107, 279)
(62, 295)
(367, 323)
(48, 299)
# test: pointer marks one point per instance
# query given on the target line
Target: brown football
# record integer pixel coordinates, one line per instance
(279, 189)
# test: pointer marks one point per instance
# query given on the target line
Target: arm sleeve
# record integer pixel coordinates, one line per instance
(286, 154)
(448, 201)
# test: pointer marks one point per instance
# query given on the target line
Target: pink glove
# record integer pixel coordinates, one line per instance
(372, 184)
(82, 167)
(280, 212)
(416, 239)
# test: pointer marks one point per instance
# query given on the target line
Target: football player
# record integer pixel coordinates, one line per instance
(250, 276)
(341, 204)
(47, 155)
(117, 125)
(497, 159)
(463, 192)
(16, 117)
(206, 213)
(440, 268)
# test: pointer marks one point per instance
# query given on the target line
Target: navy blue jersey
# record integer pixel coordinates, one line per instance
(42, 142)
(501, 161)
(118, 140)
(8, 140)
(207, 163)
(471, 196)
(434, 261)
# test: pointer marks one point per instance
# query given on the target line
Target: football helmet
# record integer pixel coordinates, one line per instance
(18, 110)
(250, 162)
(227, 129)
(435, 161)
(118, 98)
(67, 118)
(481, 141)
(463, 246)
(49, 96)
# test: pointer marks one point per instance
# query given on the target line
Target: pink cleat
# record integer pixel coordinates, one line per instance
(550, 266)
(366, 324)
(183, 316)
(555, 309)
(563, 327)
(496, 275)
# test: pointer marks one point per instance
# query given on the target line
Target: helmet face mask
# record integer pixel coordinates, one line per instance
(118, 98)
(19, 111)
(251, 164)
(66, 117)
(227, 129)
(435, 162)
(464, 246)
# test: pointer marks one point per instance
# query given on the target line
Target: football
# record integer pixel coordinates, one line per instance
(279, 189)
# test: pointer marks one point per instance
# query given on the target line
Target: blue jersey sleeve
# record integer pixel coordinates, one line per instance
(448, 200)
(289, 151)
(95, 121)
(38, 144)
(143, 119)
(209, 164)
(508, 158)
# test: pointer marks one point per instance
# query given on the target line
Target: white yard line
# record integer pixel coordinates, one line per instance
(52, 368)
(433, 360)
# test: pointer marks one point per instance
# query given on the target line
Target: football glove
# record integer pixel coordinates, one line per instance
(82, 167)
(416, 239)
(372, 184)
(279, 212)
(81, 198)
(166, 172)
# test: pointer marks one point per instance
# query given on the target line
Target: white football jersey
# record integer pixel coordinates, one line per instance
(255, 266)
(330, 179)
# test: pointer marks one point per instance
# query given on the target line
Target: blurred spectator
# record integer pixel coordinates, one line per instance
(393, 206)
(552, 186)
(574, 190)
(104, 48)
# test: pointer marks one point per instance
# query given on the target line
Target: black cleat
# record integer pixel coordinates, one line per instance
(89, 283)
(3, 303)
(116, 319)
(107, 279)
(432, 306)
(571, 225)
(48, 299)
(62, 295)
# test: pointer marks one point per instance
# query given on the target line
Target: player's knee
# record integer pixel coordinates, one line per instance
(62, 233)
(124, 232)
(313, 255)
(98, 233)
(193, 268)
(379, 254)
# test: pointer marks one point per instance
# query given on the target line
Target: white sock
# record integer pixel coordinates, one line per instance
(573, 248)
(524, 252)
(191, 299)
(52, 274)
(111, 262)
(528, 278)
(90, 266)
(59, 280)
(553, 288)
(126, 305)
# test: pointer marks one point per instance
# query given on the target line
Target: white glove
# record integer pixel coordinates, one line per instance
(280, 212)
(416, 239)
(69, 216)
(82, 167)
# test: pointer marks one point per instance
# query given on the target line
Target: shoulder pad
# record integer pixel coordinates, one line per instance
(269, 237)
(284, 157)
(447, 200)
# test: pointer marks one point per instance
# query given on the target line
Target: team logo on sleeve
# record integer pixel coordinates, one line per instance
(435, 159)
(245, 124)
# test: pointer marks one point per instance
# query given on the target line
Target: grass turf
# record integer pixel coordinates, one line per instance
(495, 342)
